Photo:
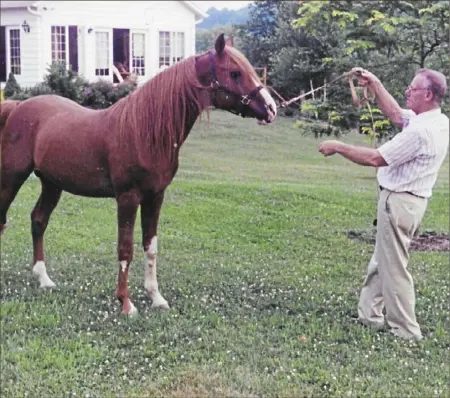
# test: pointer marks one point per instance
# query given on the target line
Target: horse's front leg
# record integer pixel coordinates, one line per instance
(127, 204)
(150, 209)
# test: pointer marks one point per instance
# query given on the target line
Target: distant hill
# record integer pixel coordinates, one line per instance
(224, 17)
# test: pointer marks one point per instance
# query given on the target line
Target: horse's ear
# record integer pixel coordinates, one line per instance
(220, 44)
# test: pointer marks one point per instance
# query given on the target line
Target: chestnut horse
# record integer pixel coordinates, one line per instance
(128, 152)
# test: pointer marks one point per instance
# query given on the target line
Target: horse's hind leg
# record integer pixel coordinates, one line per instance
(10, 183)
(40, 216)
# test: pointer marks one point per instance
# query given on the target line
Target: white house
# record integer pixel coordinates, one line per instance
(94, 37)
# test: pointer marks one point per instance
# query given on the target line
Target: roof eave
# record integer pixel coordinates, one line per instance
(19, 5)
(199, 14)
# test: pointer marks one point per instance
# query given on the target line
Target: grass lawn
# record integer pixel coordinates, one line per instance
(256, 265)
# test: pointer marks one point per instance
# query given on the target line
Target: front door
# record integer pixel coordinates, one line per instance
(73, 47)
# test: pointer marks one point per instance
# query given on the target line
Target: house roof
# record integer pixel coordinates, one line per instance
(199, 14)
(17, 4)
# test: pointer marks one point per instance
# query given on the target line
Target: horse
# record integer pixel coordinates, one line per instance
(129, 151)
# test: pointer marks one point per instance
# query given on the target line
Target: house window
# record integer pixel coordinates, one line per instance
(102, 54)
(138, 53)
(164, 49)
(178, 47)
(171, 48)
(59, 44)
(14, 51)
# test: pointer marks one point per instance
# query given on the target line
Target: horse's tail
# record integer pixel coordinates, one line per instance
(6, 107)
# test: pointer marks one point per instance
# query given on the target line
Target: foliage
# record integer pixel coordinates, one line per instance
(318, 130)
(375, 125)
(206, 38)
(11, 86)
(337, 121)
(102, 94)
(257, 33)
(64, 81)
(313, 41)
(28, 92)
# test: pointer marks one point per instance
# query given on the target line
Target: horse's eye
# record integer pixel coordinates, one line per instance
(235, 75)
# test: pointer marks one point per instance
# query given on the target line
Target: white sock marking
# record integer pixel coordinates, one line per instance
(133, 311)
(153, 245)
(123, 264)
(40, 272)
(150, 280)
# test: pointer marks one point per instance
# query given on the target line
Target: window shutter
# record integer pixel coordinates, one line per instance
(3, 54)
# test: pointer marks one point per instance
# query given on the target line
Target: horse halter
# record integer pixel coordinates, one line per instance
(245, 99)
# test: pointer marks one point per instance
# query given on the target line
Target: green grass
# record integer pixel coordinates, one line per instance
(256, 265)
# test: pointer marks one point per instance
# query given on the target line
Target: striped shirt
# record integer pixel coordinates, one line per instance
(415, 155)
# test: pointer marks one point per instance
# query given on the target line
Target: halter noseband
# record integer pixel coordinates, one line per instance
(216, 86)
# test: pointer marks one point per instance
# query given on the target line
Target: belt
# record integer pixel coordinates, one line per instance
(413, 194)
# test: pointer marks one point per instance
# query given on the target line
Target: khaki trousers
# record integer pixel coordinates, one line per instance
(388, 283)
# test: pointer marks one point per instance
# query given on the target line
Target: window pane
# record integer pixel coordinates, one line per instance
(164, 49)
(138, 53)
(59, 38)
(102, 53)
(14, 51)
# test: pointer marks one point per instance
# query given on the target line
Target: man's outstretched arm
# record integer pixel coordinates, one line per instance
(357, 154)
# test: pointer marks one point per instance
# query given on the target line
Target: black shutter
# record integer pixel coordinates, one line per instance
(3, 54)
(73, 47)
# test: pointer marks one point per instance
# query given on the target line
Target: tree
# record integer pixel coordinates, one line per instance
(314, 41)
(257, 34)
(205, 38)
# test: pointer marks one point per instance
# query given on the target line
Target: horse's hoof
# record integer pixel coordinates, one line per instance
(48, 284)
(2, 228)
(130, 310)
(40, 273)
(162, 305)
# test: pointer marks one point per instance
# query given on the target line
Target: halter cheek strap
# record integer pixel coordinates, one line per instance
(212, 68)
(215, 85)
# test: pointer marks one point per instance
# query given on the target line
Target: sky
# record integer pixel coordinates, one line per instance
(231, 5)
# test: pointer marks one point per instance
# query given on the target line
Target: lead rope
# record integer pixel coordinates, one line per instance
(350, 75)
(368, 97)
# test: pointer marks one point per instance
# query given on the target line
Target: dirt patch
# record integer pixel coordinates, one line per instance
(429, 241)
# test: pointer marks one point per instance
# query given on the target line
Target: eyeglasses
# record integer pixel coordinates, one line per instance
(409, 88)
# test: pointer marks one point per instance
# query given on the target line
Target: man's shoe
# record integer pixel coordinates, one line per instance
(405, 335)
(369, 324)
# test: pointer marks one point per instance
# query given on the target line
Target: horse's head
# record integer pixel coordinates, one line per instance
(234, 84)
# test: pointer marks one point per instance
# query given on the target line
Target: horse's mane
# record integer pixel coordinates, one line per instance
(156, 112)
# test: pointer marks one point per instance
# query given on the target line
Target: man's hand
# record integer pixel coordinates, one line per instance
(365, 77)
(330, 147)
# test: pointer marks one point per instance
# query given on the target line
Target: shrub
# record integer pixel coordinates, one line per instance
(375, 125)
(102, 94)
(40, 89)
(65, 82)
(21, 95)
(11, 86)
(318, 129)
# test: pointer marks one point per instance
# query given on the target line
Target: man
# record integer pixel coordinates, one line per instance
(408, 167)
